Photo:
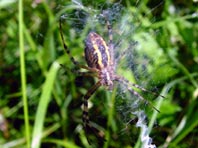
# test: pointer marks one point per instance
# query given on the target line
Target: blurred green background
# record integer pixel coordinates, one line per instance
(40, 100)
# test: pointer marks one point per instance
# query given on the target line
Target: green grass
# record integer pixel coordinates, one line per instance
(40, 101)
(23, 73)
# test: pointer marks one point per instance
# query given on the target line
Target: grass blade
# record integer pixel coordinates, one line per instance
(23, 73)
(43, 104)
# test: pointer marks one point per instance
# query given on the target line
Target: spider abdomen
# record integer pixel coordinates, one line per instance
(96, 51)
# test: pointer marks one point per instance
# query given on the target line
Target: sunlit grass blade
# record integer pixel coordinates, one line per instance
(43, 104)
(62, 143)
(23, 73)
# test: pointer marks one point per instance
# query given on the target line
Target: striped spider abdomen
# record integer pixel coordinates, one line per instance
(96, 51)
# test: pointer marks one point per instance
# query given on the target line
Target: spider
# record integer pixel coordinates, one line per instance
(101, 63)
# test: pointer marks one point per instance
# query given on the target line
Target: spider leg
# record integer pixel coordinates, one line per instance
(85, 118)
(125, 52)
(80, 73)
(86, 74)
(137, 86)
(68, 51)
(128, 84)
(121, 55)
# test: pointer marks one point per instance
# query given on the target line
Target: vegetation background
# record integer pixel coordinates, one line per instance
(40, 102)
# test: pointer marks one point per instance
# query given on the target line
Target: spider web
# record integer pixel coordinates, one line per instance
(136, 63)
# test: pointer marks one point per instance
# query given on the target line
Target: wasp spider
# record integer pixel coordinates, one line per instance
(102, 64)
